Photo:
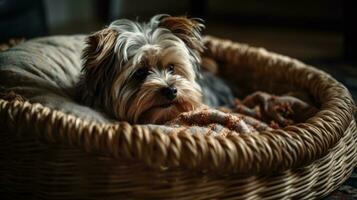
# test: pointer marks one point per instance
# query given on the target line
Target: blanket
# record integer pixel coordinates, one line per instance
(257, 112)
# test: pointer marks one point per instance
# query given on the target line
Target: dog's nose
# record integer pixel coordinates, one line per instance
(169, 92)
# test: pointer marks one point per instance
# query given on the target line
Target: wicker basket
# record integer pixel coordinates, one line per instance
(46, 154)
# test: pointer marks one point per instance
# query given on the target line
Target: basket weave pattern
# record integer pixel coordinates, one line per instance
(50, 154)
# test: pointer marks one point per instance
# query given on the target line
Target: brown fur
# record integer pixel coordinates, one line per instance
(185, 29)
(98, 57)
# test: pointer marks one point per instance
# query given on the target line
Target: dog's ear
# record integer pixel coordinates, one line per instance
(98, 60)
(99, 48)
(188, 30)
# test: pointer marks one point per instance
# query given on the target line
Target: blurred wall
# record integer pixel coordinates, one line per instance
(78, 16)
(73, 16)
(21, 19)
(147, 8)
(69, 16)
(316, 9)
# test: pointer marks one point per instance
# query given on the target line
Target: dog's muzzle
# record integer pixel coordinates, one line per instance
(169, 93)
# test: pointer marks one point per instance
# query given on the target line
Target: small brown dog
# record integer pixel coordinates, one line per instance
(144, 72)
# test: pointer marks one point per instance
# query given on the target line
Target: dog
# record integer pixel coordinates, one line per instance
(148, 72)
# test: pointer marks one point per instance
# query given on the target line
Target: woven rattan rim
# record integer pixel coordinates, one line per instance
(291, 147)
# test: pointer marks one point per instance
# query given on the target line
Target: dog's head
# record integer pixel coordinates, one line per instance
(144, 72)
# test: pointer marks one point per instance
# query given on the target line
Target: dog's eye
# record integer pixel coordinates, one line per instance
(171, 67)
(141, 73)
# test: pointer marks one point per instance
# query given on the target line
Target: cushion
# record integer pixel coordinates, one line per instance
(45, 70)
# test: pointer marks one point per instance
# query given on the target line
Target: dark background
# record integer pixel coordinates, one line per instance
(319, 32)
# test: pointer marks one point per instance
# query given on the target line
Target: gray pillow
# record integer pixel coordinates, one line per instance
(45, 70)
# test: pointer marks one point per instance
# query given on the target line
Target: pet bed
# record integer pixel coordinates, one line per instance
(48, 154)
